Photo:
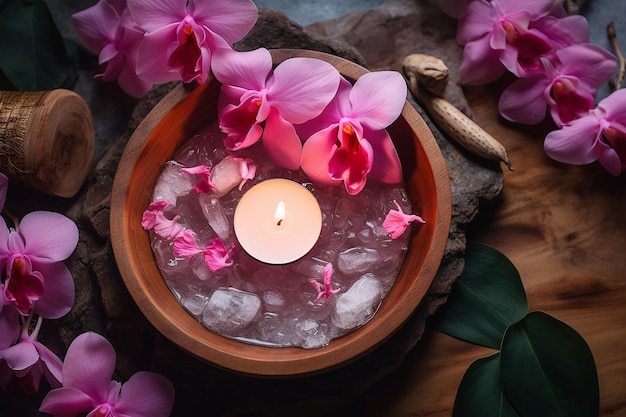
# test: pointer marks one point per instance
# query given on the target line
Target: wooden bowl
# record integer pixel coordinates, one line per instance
(178, 116)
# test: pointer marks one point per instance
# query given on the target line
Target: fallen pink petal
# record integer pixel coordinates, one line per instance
(396, 222)
(217, 255)
(326, 288)
(204, 185)
(154, 218)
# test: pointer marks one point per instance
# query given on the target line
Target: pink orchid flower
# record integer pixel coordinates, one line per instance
(28, 360)
(493, 32)
(216, 254)
(326, 289)
(253, 94)
(396, 222)
(34, 252)
(599, 135)
(567, 87)
(247, 170)
(153, 218)
(4, 185)
(182, 35)
(204, 173)
(88, 388)
(107, 30)
(350, 140)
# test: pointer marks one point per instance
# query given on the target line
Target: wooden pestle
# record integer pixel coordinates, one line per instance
(47, 140)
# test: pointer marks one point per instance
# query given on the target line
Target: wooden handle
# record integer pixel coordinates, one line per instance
(47, 140)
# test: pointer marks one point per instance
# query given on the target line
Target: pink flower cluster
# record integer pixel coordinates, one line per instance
(140, 43)
(36, 284)
(558, 73)
(343, 126)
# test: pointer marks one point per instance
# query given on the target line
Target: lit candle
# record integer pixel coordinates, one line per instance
(277, 221)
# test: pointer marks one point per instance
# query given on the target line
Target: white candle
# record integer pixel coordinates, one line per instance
(278, 221)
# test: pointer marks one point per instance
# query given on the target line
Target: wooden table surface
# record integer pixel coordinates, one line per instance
(564, 228)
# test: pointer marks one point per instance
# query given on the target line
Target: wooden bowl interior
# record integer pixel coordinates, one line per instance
(181, 114)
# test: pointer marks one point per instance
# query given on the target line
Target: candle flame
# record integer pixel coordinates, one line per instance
(279, 215)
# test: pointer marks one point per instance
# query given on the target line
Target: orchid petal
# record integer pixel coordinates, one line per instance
(302, 87)
(89, 365)
(475, 23)
(336, 109)
(151, 18)
(248, 70)
(316, 154)
(524, 101)
(281, 142)
(570, 101)
(352, 166)
(231, 20)
(53, 366)
(239, 123)
(66, 401)
(574, 143)
(96, 26)
(386, 167)
(613, 106)
(610, 160)
(481, 64)
(153, 56)
(378, 98)
(534, 8)
(20, 356)
(146, 394)
(49, 236)
(59, 291)
(24, 286)
(592, 64)
(563, 31)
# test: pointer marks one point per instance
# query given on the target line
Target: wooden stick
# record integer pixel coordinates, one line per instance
(622, 62)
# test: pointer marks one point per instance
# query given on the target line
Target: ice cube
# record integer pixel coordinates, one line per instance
(230, 310)
(356, 306)
(215, 214)
(357, 260)
(172, 183)
(225, 176)
(194, 304)
(312, 333)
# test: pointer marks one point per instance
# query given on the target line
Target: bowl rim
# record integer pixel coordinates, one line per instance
(257, 360)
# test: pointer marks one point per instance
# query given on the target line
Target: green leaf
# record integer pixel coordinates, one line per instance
(486, 299)
(548, 369)
(480, 393)
(32, 51)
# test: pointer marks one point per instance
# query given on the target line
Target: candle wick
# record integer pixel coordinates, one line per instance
(279, 222)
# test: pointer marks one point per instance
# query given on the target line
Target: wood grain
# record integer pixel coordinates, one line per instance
(564, 228)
